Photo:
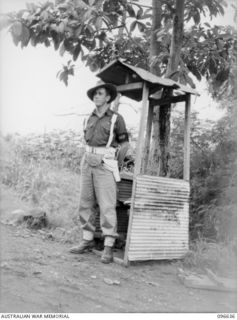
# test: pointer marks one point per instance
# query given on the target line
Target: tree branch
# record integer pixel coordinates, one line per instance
(71, 114)
(117, 27)
(140, 5)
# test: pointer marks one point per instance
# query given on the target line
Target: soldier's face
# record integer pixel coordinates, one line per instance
(101, 97)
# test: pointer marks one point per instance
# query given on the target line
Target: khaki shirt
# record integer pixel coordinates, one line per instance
(97, 131)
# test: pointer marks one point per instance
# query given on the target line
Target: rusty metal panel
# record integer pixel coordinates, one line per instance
(124, 189)
(160, 219)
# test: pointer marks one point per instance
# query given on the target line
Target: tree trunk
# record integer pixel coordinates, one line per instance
(154, 44)
(115, 103)
(176, 41)
(154, 159)
(159, 155)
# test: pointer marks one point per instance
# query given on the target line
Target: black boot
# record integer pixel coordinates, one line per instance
(85, 245)
(107, 255)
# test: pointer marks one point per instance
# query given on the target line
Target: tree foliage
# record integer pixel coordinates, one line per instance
(87, 29)
(213, 203)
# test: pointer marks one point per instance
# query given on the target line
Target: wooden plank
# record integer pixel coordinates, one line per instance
(143, 120)
(187, 125)
(147, 139)
(163, 101)
(137, 169)
(130, 86)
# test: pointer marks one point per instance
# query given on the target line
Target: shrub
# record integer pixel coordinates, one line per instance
(44, 174)
(219, 257)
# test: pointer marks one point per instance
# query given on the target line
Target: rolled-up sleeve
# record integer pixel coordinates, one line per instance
(121, 130)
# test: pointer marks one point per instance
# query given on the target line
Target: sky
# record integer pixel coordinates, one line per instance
(32, 99)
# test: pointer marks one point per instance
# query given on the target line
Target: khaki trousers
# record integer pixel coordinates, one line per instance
(97, 187)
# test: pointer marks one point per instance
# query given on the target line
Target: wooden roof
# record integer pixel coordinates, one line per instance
(120, 73)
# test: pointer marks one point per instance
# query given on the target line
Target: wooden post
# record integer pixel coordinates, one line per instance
(137, 169)
(143, 119)
(187, 124)
(148, 138)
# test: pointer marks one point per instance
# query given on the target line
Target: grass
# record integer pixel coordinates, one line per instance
(219, 257)
(42, 183)
(46, 175)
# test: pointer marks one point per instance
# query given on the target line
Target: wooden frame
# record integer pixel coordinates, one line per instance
(130, 86)
(187, 124)
(137, 169)
(153, 198)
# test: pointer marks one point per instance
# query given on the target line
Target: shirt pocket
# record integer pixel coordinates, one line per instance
(105, 127)
(89, 131)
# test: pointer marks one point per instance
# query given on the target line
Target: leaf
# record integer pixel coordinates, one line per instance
(64, 77)
(98, 23)
(25, 36)
(102, 36)
(61, 27)
(141, 26)
(68, 44)
(194, 70)
(145, 16)
(33, 41)
(189, 81)
(77, 51)
(139, 13)
(15, 40)
(99, 4)
(196, 17)
(93, 66)
(133, 25)
(53, 27)
(16, 28)
(79, 30)
(80, 4)
(20, 13)
(131, 11)
(62, 50)
(44, 15)
(47, 42)
(87, 14)
(56, 41)
(90, 29)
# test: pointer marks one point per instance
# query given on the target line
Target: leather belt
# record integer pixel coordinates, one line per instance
(100, 150)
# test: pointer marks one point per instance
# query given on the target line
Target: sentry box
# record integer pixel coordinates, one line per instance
(154, 222)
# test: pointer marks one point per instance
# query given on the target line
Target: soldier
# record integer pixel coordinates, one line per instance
(104, 132)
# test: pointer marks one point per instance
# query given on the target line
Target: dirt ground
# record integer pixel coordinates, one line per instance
(39, 275)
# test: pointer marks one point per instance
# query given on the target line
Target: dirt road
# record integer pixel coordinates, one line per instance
(39, 275)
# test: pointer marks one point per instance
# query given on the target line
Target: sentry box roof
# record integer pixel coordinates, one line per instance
(129, 80)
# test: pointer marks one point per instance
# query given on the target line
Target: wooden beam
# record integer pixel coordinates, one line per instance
(147, 139)
(173, 99)
(143, 120)
(130, 86)
(187, 125)
(138, 162)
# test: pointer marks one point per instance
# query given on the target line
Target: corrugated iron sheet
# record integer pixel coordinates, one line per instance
(160, 219)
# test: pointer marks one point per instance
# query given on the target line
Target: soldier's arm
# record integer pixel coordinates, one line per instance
(125, 150)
